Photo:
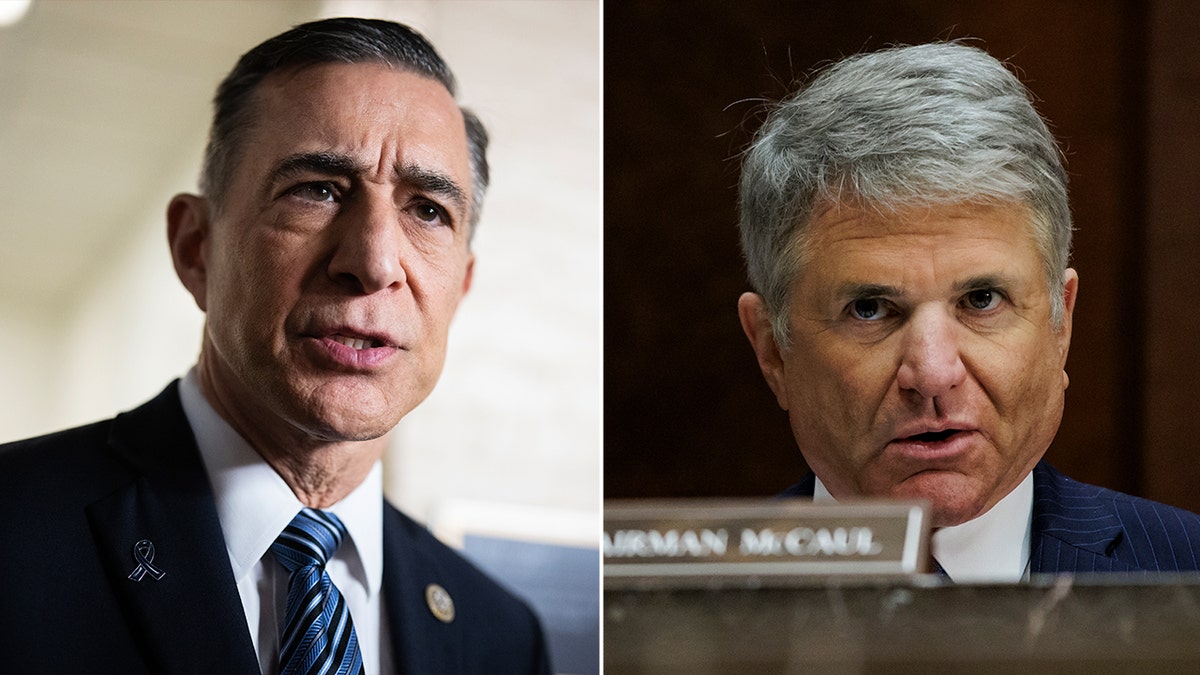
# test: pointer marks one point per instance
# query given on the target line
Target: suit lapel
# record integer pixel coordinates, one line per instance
(191, 620)
(421, 643)
(1073, 531)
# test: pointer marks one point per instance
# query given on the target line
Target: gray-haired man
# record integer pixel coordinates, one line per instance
(905, 222)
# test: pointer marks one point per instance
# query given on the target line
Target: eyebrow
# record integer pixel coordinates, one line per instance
(433, 181)
(984, 281)
(336, 164)
(854, 290)
(329, 163)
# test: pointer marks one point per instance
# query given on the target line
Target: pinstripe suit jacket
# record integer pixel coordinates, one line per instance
(1080, 528)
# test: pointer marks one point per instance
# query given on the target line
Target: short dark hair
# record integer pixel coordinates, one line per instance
(341, 40)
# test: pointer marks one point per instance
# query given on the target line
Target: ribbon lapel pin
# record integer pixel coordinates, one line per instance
(143, 554)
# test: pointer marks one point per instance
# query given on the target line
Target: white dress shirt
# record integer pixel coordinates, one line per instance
(254, 505)
(991, 548)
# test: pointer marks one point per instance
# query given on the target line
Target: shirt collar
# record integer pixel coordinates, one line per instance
(992, 547)
(254, 504)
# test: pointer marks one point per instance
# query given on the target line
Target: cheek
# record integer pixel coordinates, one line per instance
(863, 371)
(441, 273)
(253, 283)
(841, 387)
(1024, 390)
(437, 285)
(1020, 373)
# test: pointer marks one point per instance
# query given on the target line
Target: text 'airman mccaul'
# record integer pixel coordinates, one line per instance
(765, 542)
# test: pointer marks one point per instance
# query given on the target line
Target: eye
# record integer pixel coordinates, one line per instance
(867, 309)
(316, 192)
(983, 299)
(428, 212)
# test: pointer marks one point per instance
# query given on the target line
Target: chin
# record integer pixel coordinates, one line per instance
(346, 431)
(955, 509)
(944, 516)
(362, 436)
(343, 421)
(952, 499)
(354, 410)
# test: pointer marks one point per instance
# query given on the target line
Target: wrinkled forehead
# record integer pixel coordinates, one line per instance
(375, 112)
(850, 218)
(361, 102)
(851, 243)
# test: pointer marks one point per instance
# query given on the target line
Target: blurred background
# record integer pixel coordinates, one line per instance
(686, 410)
(104, 109)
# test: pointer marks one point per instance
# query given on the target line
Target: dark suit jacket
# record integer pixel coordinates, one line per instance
(74, 503)
(1080, 528)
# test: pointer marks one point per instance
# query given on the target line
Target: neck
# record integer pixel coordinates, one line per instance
(319, 471)
(323, 476)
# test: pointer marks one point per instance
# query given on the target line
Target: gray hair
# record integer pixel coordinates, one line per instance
(911, 126)
(338, 40)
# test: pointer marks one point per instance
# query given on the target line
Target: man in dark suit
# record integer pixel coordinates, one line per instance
(905, 223)
(235, 523)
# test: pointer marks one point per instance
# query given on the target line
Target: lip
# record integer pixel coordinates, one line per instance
(934, 440)
(329, 348)
(918, 427)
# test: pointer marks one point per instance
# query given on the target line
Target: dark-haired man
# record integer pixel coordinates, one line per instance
(235, 523)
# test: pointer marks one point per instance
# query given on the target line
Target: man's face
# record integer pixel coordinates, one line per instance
(923, 362)
(341, 252)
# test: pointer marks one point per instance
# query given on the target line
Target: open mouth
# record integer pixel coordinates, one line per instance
(356, 343)
(933, 436)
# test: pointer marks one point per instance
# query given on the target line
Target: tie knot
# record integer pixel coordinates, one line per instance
(310, 539)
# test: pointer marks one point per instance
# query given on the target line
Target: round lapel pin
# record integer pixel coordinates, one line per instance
(439, 603)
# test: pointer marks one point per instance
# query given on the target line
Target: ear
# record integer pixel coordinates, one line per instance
(1070, 293)
(187, 234)
(756, 323)
(469, 276)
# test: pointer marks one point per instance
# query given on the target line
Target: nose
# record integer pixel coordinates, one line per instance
(370, 244)
(931, 364)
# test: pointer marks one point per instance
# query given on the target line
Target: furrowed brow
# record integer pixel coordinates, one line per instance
(434, 182)
(858, 291)
(327, 163)
(983, 281)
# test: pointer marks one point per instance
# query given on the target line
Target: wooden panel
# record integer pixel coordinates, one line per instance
(1172, 445)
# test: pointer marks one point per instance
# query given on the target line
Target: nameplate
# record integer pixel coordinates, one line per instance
(702, 540)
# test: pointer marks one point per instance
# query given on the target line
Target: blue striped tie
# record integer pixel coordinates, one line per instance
(318, 636)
